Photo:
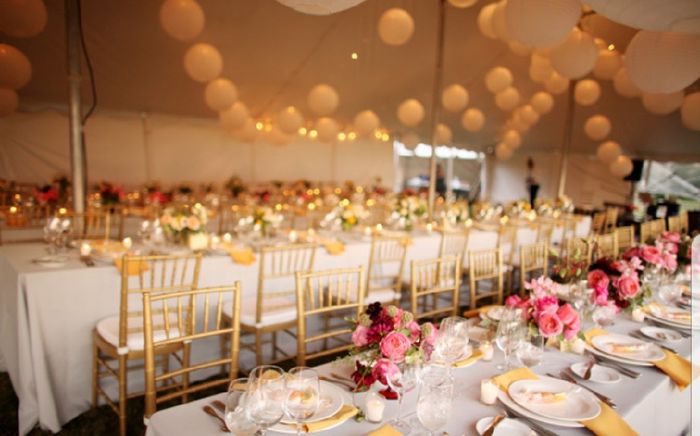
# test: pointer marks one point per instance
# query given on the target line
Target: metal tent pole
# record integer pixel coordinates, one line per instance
(435, 108)
(77, 146)
(566, 140)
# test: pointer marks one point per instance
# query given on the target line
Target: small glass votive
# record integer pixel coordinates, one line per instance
(368, 231)
(214, 242)
(293, 236)
(489, 391)
(127, 243)
(374, 407)
(486, 350)
(227, 238)
(85, 249)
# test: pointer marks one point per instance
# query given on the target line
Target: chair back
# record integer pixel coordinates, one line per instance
(674, 224)
(176, 320)
(684, 221)
(606, 245)
(334, 293)
(625, 238)
(646, 232)
(598, 223)
(437, 279)
(545, 229)
(658, 226)
(96, 224)
(611, 214)
(533, 257)
(485, 265)
(229, 215)
(453, 242)
(581, 248)
(387, 259)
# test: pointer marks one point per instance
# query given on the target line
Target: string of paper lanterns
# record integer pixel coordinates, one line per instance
(662, 104)
(22, 18)
(410, 112)
(586, 92)
(473, 120)
(597, 127)
(182, 19)
(290, 120)
(455, 98)
(323, 99)
(366, 122)
(395, 26)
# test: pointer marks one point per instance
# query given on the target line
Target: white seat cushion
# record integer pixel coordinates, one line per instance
(108, 329)
(276, 310)
(383, 295)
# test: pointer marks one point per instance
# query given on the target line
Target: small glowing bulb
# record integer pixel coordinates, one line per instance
(341, 136)
(259, 125)
(13, 209)
(313, 134)
(354, 56)
(611, 47)
(378, 135)
(302, 131)
(62, 211)
(311, 206)
(385, 137)
(352, 136)
(278, 206)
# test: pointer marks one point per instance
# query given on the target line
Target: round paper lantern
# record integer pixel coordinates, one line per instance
(443, 134)
(597, 127)
(320, 7)
(462, 3)
(659, 62)
(247, 133)
(234, 117)
(410, 112)
(182, 19)
(607, 64)
(508, 99)
(498, 79)
(220, 94)
(556, 84)
(542, 102)
(662, 104)
(15, 69)
(576, 56)
(484, 21)
(290, 120)
(519, 48)
(541, 23)
(323, 99)
(690, 111)
(8, 101)
(410, 140)
(503, 152)
(624, 86)
(473, 120)
(455, 98)
(366, 122)
(608, 152)
(22, 18)
(519, 125)
(540, 68)
(587, 92)
(395, 26)
(622, 166)
(203, 62)
(528, 114)
(327, 129)
(512, 139)
(498, 21)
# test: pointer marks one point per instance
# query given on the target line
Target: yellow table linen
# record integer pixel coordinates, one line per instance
(134, 268)
(476, 355)
(346, 412)
(243, 256)
(334, 248)
(385, 430)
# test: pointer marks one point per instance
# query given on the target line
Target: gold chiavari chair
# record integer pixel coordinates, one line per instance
(438, 279)
(387, 259)
(96, 224)
(485, 266)
(606, 245)
(333, 293)
(684, 221)
(181, 333)
(646, 232)
(611, 214)
(34, 217)
(658, 226)
(674, 223)
(598, 223)
(544, 232)
(453, 242)
(579, 248)
(274, 307)
(533, 257)
(120, 338)
(625, 238)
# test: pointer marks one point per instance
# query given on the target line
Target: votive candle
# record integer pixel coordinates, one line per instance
(227, 238)
(486, 350)
(489, 391)
(85, 249)
(374, 407)
(293, 236)
(127, 243)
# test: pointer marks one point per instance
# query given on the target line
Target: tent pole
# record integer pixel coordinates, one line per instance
(437, 85)
(566, 140)
(77, 146)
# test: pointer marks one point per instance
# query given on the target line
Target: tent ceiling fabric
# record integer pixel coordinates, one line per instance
(275, 55)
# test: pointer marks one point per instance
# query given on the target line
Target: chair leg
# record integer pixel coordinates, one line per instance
(95, 372)
(185, 376)
(122, 394)
(274, 346)
(258, 348)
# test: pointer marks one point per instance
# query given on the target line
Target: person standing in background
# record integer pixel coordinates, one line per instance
(440, 186)
(532, 186)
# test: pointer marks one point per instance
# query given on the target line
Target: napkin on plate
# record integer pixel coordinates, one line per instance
(346, 412)
(243, 256)
(385, 430)
(134, 268)
(476, 355)
(334, 248)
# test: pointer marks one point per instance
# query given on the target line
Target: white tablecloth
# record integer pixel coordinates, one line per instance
(652, 405)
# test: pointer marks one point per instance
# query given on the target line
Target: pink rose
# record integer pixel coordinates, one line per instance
(394, 346)
(600, 296)
(674, 237)
(597, 279)
(414, 330)
(567, 314)
(384, 368)
(670, 262)
(651, 254)
(550, 325)
(547, 303)
(632, 252)
(359, 336)
(540, 286)
(627, 287)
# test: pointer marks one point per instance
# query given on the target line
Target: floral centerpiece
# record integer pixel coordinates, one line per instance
(568, 269)
(264, 219)
(382, 338)
(184, 223)
(407, 209)
(47, 194)
(347, 215)
(619, 282)
(109, 194)
(456, 213)
(235, 186)
(678, 244)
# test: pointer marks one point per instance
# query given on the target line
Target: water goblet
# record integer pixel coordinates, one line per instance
(235, 416)
(303, 393)
(435, 405)
(402, 380)
(265, 396)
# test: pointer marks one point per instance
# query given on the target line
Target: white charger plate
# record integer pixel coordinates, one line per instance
(599, 374)
(579, 404)
(617, 359)
(51, 261)
(650, 352)
(694, 326)
(330, 402)
(507, 427)
(505, 399)
(661, 334)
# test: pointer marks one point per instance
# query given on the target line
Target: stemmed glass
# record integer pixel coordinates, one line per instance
(402, 382)
(235, 416)
(265, 396)
(435, 404)
(303, 393)
(452, 342)
(511, 330)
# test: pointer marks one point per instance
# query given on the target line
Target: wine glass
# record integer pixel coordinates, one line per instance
(510, 331)
(669, 293)
(235, 416)
(435, 404)
(303, 393)
(402, 381)
(265, 396)
(452, 342)
(603, 316)
(530, 351)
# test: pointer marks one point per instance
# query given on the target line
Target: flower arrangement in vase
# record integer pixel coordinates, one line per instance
(264, 219)
(185, 224)
(619, 282)
(110, 194)
(408, 209)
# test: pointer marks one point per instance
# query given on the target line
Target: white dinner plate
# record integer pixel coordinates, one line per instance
(51, 261)
(576, 404)
(330, 403)
(505, 399)
(673, 315)
(599, 374)
(617, 359)
(647, 353)
(661, 334)
(507, 427)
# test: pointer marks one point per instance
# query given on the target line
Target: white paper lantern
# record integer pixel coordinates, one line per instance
(508, 99)
(234, 117)
(498, 79)
(556, 83)
(15, 69)
(462, 3)
(323, 99)
(576, 56)
(410, 112)
(443, 134)
(607, 64)
(518, 48)
(220, 94)
(512, 139)
(608, 152)
(528, 114)
(498, 21)
(410, 140)
(395, 26)
(659, 62)
(542, 102)
(290, 120)
(622, 166)
(540, 68)
(473, 120)
(366, 122)
(484, 21)
(22, 18)
(624, 86)
(327, 129)
(541, 23)
(662, 104)
(182, 19)
(247, 133)
(597, 127)
(203, 62)
(320, 7)
(519, 125)
(503, 152)
(455, 98)
(586, 92)
(690, 111)
(8, 101)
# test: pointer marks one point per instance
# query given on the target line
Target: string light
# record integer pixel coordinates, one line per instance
(352, 136)
(259, 125)
(341, 136)
(354, 56)
(302, 131)
(313, 134)
(611, 47)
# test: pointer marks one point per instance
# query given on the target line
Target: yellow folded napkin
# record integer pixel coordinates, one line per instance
(385, 430)
(677, 368)
(243, 256)
(476, 355)
(346, 412)
(334, 248)
(504, 380)
(134, 268)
